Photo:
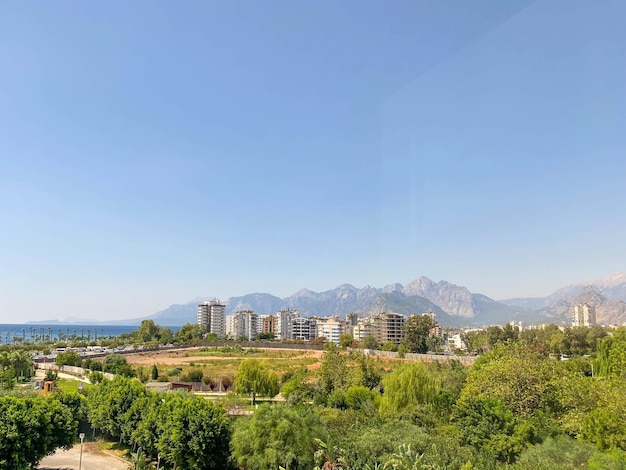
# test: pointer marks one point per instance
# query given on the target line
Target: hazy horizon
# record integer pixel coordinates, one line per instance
(154, 152)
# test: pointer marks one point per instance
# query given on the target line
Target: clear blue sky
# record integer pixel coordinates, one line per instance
(152, 152)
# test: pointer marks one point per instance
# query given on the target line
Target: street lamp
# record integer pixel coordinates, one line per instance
(80, 462)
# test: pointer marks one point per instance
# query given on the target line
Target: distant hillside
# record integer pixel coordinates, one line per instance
(529, 303)
(607, 294)
(453, 304)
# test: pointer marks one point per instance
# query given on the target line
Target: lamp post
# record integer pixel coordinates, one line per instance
(80, 461)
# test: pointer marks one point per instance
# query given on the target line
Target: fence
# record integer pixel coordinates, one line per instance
(79, 371)
(465, 360)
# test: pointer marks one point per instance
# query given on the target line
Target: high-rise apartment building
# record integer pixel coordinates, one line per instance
(364, 329)
(245, 325)
(352, 319)
(303, 328)
(283, 328)
(330, 328)
(211, 316)
(268, 324)
(583, 315)
(389, 327)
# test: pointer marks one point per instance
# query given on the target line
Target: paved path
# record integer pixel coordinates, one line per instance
(93, 459)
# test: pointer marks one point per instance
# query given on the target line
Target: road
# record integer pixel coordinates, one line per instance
(93, 459)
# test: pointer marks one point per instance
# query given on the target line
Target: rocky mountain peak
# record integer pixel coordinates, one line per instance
(589, 295)
(453, 299)
(389, 288)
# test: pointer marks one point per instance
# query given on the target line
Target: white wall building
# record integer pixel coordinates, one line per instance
(583, 315)
(284, 320)
(330, 328)
(211, 315)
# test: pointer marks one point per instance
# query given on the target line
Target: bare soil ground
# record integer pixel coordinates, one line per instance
(93, 459)
(183, 357)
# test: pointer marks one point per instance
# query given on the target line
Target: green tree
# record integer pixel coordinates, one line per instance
(369, 342)
(276, 436)
(154, 373)
(192, 375)
(148, 331)
(145, 433)
(416, 333)
(488, 425)
(604, 425)
(410, 390)
(109, 402)
(254, 377)
(32, 428)
(557, 453)
(360, 397)
(333, 372)
(194, 433)
(117, 364)
(298, 388)
(518, 376)
(19, 364)
(68, 358)
(611, 357)
(345, 340)
(190, 332)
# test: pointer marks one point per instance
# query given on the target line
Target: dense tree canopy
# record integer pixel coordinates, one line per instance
(117, 364)
(68, 358)
(32, 428)
(417, 332)
(276, 436)
(193, 433)
(517, 376)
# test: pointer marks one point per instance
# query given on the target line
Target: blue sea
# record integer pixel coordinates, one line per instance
(30, 331)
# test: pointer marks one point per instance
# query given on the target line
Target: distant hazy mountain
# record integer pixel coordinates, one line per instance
(531, 303)
(607, 311)
(454, 305)
(607, 294)
(260, 303)
(612, 287)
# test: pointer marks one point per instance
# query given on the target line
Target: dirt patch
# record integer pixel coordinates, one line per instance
(184, 357)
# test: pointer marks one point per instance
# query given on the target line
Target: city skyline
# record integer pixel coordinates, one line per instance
(154, 153)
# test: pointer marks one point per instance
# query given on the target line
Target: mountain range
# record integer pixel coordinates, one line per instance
(454, 305)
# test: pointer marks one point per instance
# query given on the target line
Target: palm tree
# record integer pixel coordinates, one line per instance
(22, 364)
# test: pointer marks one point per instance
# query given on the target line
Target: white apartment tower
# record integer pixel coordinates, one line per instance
(283, 328)
(330, 328)
(303, 328)
(211, 315)
(583, 315)
(244, 325)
